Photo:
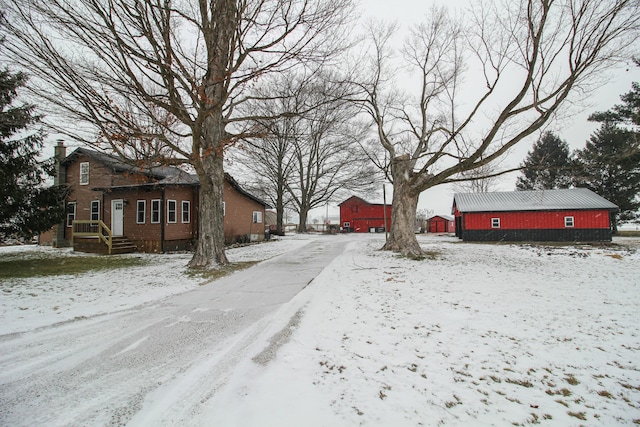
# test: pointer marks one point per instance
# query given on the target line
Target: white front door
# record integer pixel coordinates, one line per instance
(117, 217)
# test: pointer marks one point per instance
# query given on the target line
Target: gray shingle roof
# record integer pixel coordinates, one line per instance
(120, 165)
(538, 200)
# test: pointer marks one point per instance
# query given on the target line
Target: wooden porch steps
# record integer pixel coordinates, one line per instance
(121, 245)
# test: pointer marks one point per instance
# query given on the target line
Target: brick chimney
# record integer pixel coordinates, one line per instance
(60, 153)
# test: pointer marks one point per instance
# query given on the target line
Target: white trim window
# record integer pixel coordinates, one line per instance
(186, 212)
(141, 211)
(569, 222)
(95, 210)
(84, 173)
(257, 217)
(71, 213)
(172, 207)
(155, 211)
(495, 222)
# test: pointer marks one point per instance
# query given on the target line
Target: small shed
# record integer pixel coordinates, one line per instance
(441, 224)
(565, 215)
(359, 216)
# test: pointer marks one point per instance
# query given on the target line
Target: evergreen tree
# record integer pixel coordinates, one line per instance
(28, 206)
(626, 114)
(609, 165)
(547, 166)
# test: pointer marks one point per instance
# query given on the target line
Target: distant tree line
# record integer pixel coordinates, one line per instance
(609, 164)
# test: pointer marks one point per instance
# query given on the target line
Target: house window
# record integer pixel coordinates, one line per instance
(71, 213)
(155, 211)
(171, 211)
(257, 217)
(84, 173)
(346, 225)
(95, 210)
(186, 212)
(141, 211)
(495, 222)
(568, 221)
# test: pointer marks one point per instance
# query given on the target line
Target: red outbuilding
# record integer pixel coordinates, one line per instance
(441, 224)
(359, 216)
(567, 215)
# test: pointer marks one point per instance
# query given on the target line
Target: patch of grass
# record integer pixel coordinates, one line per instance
(219, 272)
(430, 255)
(605, 393)
(562, 402)
(450, 404)
(42, 265)
(572, 380)
(563, 391)
(579, 415)
(534, 419)
(629, 386)
(628, 233)
(523, 383)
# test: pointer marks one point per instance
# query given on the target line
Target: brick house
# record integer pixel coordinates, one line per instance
(150, 209)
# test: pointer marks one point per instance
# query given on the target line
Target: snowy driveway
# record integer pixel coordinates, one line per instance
(133, 365)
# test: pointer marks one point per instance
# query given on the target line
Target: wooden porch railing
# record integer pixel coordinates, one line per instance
(92, 228)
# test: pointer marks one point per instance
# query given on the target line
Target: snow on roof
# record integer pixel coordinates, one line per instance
(447, 217)
(538, 200)
(375, 202)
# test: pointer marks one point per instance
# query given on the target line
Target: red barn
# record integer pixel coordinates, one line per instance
(360, 216)
(441, 224)
(566, 215)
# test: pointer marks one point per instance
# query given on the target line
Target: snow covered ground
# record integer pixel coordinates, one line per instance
(30, 303)
(482, 334)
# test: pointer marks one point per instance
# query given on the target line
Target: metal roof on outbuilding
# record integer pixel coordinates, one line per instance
(538, 200)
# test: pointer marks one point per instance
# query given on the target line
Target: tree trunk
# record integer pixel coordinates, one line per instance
(209, 143)
(280, 207)
(302, 224)
(209, 133)
(210, 245)
(402, 238)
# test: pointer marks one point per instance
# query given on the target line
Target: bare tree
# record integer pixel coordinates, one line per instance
(312, 157)
(480, 180)
(529, 56)
(185, 65)
(328, 161)
(268, 153)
